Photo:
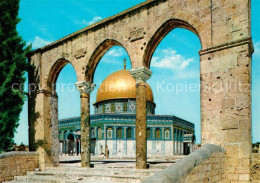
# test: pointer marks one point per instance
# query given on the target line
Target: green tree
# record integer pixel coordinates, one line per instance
(12, 70)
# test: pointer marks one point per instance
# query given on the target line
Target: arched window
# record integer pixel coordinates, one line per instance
(167, 134)
(129, 133)
(92, 132)
(109, 132)
(157, 133)
(149, 133)
(99, 133)
(119, 133)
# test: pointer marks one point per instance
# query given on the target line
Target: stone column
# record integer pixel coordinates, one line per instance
(114, 147)
(67, 147)
(163, 142)
(79, 147)
(182, 134)
(173, 139)
(125, 143)
(75, 147)
(61, 147)
(85, 89)
(141, 75)
(178, 142)
(163, 147)
(153, 147)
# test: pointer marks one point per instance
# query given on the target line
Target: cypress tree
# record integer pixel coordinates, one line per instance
(13, 66)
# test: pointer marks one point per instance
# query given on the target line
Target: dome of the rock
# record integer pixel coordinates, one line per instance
(120, 85)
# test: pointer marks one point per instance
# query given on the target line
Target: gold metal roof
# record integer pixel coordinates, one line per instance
(120, 85)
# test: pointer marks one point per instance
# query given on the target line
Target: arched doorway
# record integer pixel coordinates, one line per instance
(71, 145)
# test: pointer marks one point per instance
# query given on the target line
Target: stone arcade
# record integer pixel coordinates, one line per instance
(112, 127)
(224, 29)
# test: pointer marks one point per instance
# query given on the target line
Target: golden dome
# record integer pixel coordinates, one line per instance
(120, 85)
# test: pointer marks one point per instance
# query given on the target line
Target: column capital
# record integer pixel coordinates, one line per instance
(85, 86)
(141, 74)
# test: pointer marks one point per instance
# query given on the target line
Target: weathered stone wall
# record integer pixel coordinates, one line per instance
(206, 164)
(211, 170)
(226, 107)
(255, 167)
(17, 163)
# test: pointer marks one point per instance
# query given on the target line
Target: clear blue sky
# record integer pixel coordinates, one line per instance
(175, 61)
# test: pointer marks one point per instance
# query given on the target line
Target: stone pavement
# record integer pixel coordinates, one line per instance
(109, 171)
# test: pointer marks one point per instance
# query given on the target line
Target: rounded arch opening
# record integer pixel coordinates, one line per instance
(107, 60)
(159, 35)
(68, 95)
(119, 133)
(64, 105)
(175, 63)
(54, 73)
(129, 133)
(98, 54)
(110, 132)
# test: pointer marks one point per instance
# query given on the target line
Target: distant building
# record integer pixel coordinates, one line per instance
(113, 125)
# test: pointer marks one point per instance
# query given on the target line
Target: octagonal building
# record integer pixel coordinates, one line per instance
(113, 125)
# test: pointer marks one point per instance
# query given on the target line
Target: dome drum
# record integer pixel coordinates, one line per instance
(121, 106)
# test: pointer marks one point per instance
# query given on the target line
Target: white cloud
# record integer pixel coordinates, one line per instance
(193, 74)
(85, 22)
(171, 60)
(39, 42)
(115, 52)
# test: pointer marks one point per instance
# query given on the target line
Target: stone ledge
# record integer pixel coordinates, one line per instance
(184, 166)
(17, 153)
(239, 42)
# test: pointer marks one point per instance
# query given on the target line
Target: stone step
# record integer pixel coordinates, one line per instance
(57, 173)
(110, 172)
(75, 178)
(50, 179)
(102, 170)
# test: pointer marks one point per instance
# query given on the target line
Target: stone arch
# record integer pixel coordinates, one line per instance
(55, 71)
(160, 33)
(50, 125)
(96, 56)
